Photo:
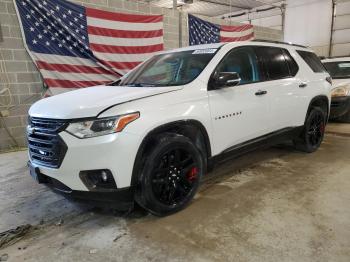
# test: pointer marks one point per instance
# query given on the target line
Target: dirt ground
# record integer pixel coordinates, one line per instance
(272, 205)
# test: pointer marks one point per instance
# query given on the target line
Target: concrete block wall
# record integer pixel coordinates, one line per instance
(17, 73)
(20, 76)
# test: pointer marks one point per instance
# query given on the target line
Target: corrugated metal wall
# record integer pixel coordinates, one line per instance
(309, 23)
(341, 30)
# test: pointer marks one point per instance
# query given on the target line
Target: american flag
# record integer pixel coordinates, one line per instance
(75, 46)
(204, 32)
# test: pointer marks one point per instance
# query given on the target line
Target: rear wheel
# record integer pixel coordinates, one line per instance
(313, 132)
(170, 176)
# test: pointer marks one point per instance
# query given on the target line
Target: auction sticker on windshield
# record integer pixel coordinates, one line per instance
(204, 51)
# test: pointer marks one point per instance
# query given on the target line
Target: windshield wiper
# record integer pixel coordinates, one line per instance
(114, 83)
(140, 85)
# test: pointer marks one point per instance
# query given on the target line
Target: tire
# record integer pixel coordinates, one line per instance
(170, 175)
(313, 132)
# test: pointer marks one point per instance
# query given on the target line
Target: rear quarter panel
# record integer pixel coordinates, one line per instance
(317, 84)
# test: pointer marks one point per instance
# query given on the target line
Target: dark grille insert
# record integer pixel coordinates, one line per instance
(45, 145)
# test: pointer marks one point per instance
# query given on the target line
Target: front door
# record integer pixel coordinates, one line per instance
(239, 113)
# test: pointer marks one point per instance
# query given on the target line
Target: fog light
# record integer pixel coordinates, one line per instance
(98, 180)
(104, 176)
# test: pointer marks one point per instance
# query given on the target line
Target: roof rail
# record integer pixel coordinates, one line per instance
(278, 42)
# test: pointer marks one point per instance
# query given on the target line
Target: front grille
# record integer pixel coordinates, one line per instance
(45, 145)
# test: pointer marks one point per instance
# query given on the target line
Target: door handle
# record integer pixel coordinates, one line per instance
(302, 85)
(261, 93)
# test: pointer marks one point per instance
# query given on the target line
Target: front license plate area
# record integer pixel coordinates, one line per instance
(35, 173)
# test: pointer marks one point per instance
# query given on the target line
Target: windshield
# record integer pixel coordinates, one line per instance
(338, 69)
(169, 69)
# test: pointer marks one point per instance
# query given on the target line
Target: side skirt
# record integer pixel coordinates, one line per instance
(264, 141)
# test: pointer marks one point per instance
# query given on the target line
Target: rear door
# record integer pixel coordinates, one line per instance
(282, 87)
(239, 113)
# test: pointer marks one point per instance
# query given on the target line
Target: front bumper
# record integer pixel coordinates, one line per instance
(121, 199)
(115, 152)
(339, 106)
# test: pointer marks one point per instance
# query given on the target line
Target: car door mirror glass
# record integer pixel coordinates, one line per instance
(226, 79)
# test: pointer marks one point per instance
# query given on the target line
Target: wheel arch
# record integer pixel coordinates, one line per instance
(188, 128)
(319, 101)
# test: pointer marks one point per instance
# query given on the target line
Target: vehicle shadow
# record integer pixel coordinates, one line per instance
(41, 206)
(226, 169)
(232, 166)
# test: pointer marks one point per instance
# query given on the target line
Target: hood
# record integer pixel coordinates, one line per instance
(89, 102)
(339, 82)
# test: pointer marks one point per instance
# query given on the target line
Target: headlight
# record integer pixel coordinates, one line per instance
(100, 127)
(341, 91)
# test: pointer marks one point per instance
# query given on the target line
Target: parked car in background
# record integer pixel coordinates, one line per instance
(151, 136)
(339, 69)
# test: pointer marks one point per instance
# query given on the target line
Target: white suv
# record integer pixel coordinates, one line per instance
(150, 136)
(339, 69)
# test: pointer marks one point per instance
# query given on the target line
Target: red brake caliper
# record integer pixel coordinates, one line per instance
(192, 174)
(322, 128)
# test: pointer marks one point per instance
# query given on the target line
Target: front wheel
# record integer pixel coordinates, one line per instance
(313, 131)
(170, 176)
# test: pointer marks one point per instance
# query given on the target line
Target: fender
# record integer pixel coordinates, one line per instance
(316, 101)
(176, 125)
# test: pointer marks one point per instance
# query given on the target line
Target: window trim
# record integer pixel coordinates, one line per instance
(261, 70)
(262, 66)
(286, 52)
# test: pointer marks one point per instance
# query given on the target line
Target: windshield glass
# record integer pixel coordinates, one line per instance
(338, 69)
(170, 69)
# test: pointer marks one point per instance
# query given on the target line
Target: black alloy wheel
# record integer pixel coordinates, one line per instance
(175, 176)
(313, 132)
(316, 129)
(170, 176)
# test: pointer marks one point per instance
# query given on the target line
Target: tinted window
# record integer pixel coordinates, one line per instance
(275, 63)
(338, 70)
(313, 61)
(242, 61)
(293, 66)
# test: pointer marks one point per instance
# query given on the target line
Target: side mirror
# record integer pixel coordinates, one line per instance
(225, 79)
